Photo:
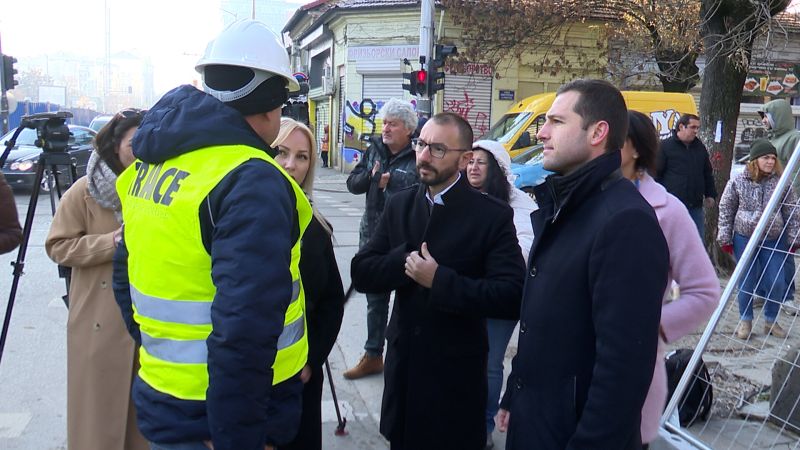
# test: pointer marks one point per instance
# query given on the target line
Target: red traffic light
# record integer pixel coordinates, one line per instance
(422, 76)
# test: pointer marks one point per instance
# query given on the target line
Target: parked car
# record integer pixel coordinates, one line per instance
(99, 122)
(20, 167)
(527, 169)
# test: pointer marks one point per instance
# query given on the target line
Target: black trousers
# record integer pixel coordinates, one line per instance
(309, 436)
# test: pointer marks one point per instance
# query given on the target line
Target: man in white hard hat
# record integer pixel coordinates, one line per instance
(207, 275)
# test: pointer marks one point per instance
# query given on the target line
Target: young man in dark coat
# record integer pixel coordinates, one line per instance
(386, 168)
(592, 303)
(685, 170)
(451, 255)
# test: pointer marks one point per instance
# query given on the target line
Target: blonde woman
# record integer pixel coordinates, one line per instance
(321, 280)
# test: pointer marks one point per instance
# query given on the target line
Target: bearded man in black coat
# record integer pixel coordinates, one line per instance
(592, 301)
(451, 254)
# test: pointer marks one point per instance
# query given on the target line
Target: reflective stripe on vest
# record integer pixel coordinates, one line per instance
(195, 351)
(170, 270)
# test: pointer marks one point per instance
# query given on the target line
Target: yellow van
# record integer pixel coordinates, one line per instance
(517, 129)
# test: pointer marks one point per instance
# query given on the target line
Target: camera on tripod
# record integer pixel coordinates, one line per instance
(52, 133)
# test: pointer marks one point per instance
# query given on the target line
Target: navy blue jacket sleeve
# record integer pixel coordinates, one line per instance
(250, 258)
(122, 289)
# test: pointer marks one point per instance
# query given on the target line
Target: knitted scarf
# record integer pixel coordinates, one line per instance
(102, 185)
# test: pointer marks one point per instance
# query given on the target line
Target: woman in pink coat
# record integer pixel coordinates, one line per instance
(690, 267)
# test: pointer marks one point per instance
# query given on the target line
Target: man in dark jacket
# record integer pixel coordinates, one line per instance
(592, 301)
(685, 170)
(451, 255)
(386, 168)
(217, 370)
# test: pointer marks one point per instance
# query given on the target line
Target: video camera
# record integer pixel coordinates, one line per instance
(52, 133)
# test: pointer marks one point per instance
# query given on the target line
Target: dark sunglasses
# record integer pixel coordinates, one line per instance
(130, 113)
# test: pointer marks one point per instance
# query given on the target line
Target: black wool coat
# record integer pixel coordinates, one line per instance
(590, 314)
(435, 370)
(685, 171)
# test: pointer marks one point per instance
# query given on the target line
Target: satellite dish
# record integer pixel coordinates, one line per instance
(12, 102)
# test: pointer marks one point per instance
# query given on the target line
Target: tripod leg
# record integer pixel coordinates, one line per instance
(19, 264)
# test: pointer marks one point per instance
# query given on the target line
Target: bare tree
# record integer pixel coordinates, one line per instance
(665, 32)
(728, 29)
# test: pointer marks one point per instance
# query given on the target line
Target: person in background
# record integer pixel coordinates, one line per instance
(386, 168)
(689, 265)
(743, 202)
(321, 281)
(10, 231)
(778, 119)
(588, 329)
(101, 354)
(685, 170)
(326, 137)
(489, 171)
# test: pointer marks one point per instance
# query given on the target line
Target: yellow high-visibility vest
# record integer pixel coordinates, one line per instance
(169, 268)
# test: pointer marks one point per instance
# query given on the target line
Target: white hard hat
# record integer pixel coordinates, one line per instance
(248, 43)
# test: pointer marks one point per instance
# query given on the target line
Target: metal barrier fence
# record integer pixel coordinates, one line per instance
(755, 379)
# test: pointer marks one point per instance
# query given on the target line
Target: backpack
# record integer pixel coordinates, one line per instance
(696, 401)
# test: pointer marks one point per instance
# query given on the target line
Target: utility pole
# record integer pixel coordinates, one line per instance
(427, 11)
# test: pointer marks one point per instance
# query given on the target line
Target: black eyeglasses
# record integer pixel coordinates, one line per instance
(131, 113)
(437, 150)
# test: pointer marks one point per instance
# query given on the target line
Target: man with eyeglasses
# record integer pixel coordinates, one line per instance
(451, 254)
(685, 170)
(387, 167)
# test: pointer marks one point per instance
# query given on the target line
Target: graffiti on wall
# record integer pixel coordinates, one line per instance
(464, 107)
(360, 122)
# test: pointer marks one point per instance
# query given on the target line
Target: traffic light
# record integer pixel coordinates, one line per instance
(421, 81)
(436, 66)
(411, 87)
(9, 72)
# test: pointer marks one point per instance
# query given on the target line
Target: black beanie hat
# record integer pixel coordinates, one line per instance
(269, 95)
(759, 148)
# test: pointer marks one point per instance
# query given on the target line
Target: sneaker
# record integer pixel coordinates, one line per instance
(744, 329)
(367, 365)
(774, 329)
(789, 308)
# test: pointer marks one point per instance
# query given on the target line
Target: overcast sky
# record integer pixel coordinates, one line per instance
(173, 33)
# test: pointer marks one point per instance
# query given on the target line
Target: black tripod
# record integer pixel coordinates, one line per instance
(48, 161)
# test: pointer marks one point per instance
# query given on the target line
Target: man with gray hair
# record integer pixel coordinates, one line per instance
(388, 166)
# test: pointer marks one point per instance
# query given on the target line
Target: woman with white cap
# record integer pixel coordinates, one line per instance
(489, 171)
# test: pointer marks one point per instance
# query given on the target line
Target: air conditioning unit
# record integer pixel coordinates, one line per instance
(328, 86)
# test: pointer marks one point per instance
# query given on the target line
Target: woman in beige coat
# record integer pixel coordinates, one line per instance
(100, 352)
